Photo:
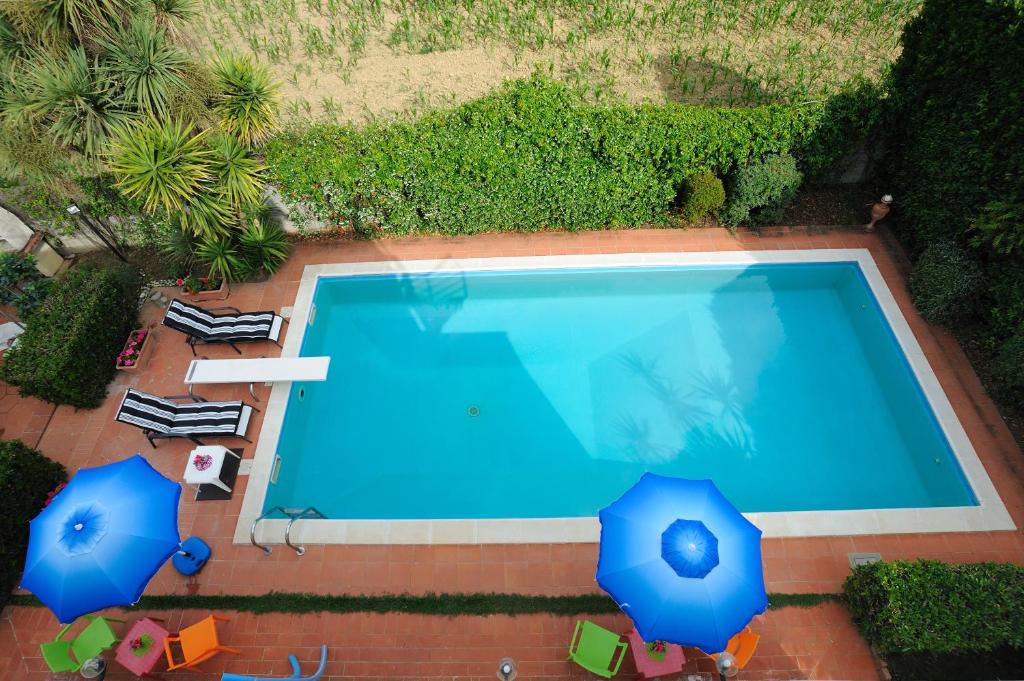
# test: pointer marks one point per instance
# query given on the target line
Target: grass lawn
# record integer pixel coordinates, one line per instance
(357, 60)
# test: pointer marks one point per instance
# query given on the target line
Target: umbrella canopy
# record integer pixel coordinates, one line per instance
(102, 538)
(682, 562)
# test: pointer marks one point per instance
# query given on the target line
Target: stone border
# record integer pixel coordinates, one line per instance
(990, 513)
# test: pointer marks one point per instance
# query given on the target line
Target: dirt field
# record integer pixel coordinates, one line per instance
(357, 60)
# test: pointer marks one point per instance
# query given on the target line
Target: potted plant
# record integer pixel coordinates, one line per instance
(134, 353)
(141, 645)
(657, 650)
(199, 289)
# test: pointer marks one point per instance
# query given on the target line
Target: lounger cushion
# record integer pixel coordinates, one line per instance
(147, 411)
(207, 418)
(175, 419)
(212, 328)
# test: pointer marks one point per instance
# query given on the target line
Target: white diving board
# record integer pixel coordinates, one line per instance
(261, 370)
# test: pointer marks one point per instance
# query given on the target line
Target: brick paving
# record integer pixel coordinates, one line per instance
(80, 438)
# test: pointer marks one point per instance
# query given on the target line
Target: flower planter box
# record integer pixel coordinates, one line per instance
(214, 294)
(136, 350)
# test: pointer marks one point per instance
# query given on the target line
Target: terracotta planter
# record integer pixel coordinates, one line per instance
(216, 294)
(140, 361)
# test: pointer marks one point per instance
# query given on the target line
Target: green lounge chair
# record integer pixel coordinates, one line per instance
(68, 656)
(594, 648)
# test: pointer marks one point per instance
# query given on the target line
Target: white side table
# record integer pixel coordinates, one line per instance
(211, 476)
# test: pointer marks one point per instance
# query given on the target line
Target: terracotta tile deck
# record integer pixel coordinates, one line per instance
(818, 643)
(791, 565)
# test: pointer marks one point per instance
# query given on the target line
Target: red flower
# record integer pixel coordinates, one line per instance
(180, 281)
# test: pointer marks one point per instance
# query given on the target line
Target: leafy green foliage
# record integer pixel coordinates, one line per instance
(931, 620)
(956, 149)
(222, 257)
(704, 194)
(72, 99)
(26, 477)
(174, 15)
(1007, 369)
(531, 156)
(145, 68)
(239, 175)
(80, 17)
(66, 355)
(247, 102)
(759, 191)
(163, 164)
(426, 604)
(21, 284)
(264, 246)
(945, 282)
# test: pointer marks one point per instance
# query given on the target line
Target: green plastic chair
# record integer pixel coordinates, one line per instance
(68, 656)
(594, 648)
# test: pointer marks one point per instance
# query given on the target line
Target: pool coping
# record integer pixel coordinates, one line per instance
(989, 515)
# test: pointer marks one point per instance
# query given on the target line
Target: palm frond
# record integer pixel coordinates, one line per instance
(69, 95)
(174, 15)
(162, 163)
(80, 17)
(239, 175)
(143, 64)
(247, 103)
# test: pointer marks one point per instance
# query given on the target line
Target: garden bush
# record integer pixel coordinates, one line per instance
(945, 282)
(704, 194)
(931, 620)
(955, 169)
(66, 355)
(759, 191)
(26, 476)
(530, 156)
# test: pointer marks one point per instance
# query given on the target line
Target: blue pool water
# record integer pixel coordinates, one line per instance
(548, 393)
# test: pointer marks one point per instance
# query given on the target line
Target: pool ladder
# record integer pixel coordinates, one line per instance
(293, 515)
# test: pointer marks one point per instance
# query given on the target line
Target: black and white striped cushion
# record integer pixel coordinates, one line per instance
(147, 411)
(207, 418)
(209, 327)
(171, 418)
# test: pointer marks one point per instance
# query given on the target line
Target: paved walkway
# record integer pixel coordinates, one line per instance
(816, 643)
(89, 438)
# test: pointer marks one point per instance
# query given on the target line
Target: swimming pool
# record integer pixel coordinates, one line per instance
(543, 392)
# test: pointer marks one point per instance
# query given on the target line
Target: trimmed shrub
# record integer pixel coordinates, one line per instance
(758, 192)
(66, 355)
(532, 155)
(930, 620)
(704, 195)
(944, 282)
(26, 476)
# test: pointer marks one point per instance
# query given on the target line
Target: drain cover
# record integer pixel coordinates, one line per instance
(863, 558)
(473, 411)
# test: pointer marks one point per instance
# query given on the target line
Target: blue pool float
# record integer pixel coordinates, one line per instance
(296, 674)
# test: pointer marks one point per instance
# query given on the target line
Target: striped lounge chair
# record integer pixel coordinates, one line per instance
(162, 417)
(203, 326)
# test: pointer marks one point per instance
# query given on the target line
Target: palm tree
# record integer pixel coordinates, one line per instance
(146, 68)
(246, 104)
(80, 17)
(174, 15)
(239, 175)
(162, 163)
(67, 95)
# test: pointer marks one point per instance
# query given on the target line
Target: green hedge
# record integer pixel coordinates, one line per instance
(534, 155)
(66, 355)
(931, 620)
(26, 476)
(956, 152)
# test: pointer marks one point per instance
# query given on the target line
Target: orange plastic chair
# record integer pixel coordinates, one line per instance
(198, 643)
(742, 647)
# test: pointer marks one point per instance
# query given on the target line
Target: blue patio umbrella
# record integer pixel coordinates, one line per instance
(102, 538)
(682, 562)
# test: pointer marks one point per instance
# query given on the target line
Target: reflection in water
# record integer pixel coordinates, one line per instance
(638, 445)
